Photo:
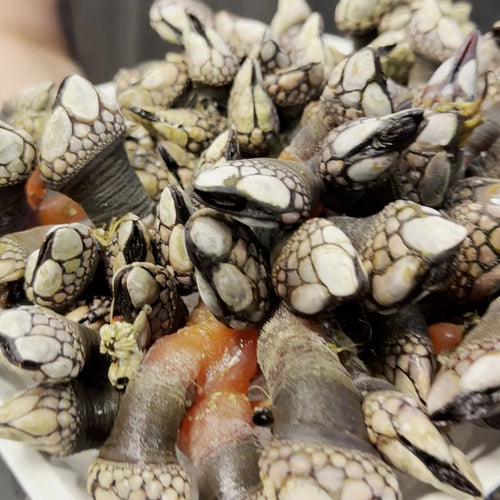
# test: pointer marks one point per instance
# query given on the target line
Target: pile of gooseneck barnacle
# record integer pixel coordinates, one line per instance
(304, 196)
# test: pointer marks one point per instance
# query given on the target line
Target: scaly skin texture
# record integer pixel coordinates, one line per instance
(320, 448)
(403, 351)
(402, 432)
(60, 419)
(82, 154)
(140, 454)
(15, 249)
(43, 345)
(62, 268)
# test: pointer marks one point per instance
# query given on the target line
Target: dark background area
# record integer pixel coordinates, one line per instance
(108, 34)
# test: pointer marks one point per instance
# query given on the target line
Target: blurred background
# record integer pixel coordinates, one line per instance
(107, 35)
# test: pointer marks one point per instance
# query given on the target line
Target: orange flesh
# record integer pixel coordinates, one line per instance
(445, 336)
(56, 209)
(35, 189)
(221, 413)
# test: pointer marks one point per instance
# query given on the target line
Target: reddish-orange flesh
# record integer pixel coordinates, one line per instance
(445, 336)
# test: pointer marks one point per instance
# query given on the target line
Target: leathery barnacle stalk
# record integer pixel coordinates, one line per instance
(82, 154)
(217, 433)
(139, 457)
(320, 448)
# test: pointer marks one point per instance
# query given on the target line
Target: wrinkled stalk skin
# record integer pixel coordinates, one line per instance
(118, 191)
(307, 382)
(14, 209)
(136, 436)
(98, 408)
(226, 475)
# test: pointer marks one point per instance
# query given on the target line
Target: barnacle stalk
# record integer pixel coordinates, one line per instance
(319, 448)
(82, 154)
(60, 419)
(467, 385)
(62, 268)
(40, 344)
(140, 454)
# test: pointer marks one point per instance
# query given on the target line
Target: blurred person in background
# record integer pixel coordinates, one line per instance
(49, 39)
